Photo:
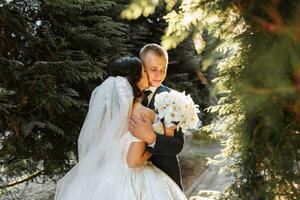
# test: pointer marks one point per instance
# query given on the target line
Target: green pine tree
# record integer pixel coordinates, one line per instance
(52, 55)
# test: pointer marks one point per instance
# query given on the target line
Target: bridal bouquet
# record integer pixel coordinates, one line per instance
(177, 108)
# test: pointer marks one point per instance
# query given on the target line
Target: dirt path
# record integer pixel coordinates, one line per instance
(210, 182)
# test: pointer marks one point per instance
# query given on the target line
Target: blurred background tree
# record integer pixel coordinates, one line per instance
(257, 86)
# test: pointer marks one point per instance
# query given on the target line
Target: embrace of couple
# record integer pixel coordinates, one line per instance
(120, 155)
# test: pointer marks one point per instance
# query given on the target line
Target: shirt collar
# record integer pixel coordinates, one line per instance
(152, 89)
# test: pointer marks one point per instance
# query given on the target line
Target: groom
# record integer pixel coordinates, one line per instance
(163, 148)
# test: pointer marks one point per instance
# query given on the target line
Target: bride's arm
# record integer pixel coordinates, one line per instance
(137, 154)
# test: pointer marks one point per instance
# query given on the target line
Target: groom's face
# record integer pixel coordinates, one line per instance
(156, 68)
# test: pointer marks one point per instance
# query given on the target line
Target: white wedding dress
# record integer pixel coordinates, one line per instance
(102, 172)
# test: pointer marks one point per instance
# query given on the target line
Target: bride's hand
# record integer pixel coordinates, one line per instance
(141, 127)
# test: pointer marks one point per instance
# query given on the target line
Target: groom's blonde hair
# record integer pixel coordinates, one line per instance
(156, 49)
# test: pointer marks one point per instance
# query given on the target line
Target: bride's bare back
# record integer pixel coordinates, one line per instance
(139, 110)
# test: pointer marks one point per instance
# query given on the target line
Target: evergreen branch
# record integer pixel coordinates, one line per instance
(22, 181)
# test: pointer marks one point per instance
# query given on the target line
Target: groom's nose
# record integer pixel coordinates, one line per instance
(159, 74)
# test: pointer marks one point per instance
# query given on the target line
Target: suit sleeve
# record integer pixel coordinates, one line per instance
(167, 146)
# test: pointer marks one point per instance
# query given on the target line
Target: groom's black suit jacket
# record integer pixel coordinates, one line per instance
(166, 148)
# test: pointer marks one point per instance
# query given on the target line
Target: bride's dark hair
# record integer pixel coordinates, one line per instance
(129, 67)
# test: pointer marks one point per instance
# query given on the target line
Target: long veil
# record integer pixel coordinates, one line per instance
(99, 146)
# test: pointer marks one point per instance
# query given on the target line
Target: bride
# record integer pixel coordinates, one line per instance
(112, 162)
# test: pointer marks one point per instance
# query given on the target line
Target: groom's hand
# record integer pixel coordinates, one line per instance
(141, 127)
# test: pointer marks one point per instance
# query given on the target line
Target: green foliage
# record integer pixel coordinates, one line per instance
(5, 103)
(264, 140)
(138, 8)
(52, 55)
(269, 141)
